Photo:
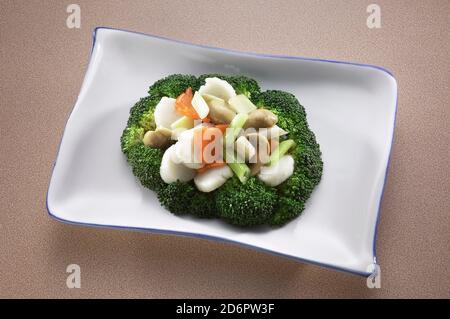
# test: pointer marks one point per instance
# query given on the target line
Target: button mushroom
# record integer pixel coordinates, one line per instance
(160, 138)
(255, 168)
(262, 146)
(261, 118)
(219, 113)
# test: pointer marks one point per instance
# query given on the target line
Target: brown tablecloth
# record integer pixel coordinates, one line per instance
(42, 67)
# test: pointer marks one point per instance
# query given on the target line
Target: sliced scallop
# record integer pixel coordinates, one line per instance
(212, 178)
(186, 151)
(165, 113)
(277, 173)
(171, 171)
(217, 87)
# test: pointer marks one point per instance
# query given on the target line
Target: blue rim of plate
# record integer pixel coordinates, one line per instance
(220, 239)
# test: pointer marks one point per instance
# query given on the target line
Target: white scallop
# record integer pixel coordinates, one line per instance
(212, 178)
(185, 150)
(165, 113)
(217, 87)
(277, 173)
(171, 172)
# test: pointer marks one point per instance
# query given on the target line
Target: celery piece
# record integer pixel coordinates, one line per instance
(241, 170)
(282, 149)
(184, 122)
(241, 104)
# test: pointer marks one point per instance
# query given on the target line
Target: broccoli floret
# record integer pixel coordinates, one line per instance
(286, 209)
(173, 85)
(147, 120)
(145, 162)
(240, 83)
(291, 114)
(307, 173)
(246, 204)
(137, 110)
(245, 85)
(131, 136)
(307, 155)
(183, 198)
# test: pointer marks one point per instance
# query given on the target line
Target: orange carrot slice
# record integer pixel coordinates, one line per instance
(209, 166)
(183, 104)
(222, 127)
(201, 142)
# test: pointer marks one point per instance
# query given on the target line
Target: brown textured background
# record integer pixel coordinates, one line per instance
(42, 67)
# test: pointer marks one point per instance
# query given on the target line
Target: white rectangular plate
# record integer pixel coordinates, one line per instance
(351, 109)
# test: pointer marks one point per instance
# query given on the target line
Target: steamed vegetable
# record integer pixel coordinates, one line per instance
(184, 198)
(145, 163)
(131, 137)
(237, 192)
(173, 85)
(183, 105)
(261, 118)
(240, 169)
(207, 167)
(282, 149)
(185, 122)
(241, 104)
(159, 138)
(219, 112)
(262, 145)
(307, 156)
(246, 204)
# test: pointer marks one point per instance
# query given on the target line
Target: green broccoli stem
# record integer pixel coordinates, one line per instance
(279, 152)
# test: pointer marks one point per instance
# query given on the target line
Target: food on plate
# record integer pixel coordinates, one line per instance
(217, 146)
